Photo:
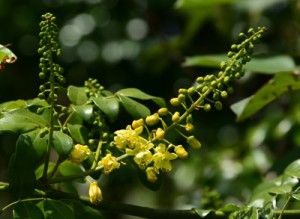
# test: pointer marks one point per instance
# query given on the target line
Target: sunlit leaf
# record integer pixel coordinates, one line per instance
(62, 143)
(22, 121)
(293, 169)
(85, 111)
(25, 210)
(281, 189)
(280, 84)
(230, 208)
(109, 105)
(77, 95)
(134, 108)
(138, 94)
(198, 3)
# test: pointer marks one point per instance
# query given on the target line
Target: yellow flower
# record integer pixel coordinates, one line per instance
(109, 163)
(95, 193)
(143, 159)
(181, 152)
(151, 174)
(162, 158)
(127, 137)
(79, 153)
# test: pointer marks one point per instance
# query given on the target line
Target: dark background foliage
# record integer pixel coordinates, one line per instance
(142, 44)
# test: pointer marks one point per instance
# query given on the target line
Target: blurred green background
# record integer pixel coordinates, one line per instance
(142, 44)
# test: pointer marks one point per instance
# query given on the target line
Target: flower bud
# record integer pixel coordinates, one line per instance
(95, 193)
(189, 127)
(137, 123)
(193, 142)
(181, 152)
(79, 153)
(174, 101)
(160, 134)
(151, 174)
(176, 117)
(152, 119)
(163, 111)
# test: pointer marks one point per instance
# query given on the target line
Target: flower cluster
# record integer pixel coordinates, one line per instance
(154, 152)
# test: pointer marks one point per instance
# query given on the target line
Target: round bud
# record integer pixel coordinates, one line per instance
(191, 90)
(176, 117)
(182, 91)
(163, 111)
(42, 75)
(218, 105)
(200, 80)
(207, 107)
(189, 118)
(181, 98)
(174, 101)
(224, 94)
(41, 95)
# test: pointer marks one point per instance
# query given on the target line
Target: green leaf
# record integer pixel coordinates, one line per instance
(77, 95)
(58, 209)
(30, 149)
(213, 60)
(27, 210)
(39, 171)
(262, 64)
(85, 111)
(229, 208)
(79, 133)
(271, 64)
(281, 189)
(68, 168)
(62, 143)
(293, 169)
(138, 94)
(296, 196)
(108, 105)
(13, 105)
(21, 121)
(280, 84)
(134, 108)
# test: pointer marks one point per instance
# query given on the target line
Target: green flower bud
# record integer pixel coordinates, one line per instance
(207, 107)
(193, 142)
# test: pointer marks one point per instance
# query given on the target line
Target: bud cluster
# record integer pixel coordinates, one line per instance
(49, 48)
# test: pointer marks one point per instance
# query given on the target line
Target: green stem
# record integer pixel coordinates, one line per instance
(16, 202)
(51, 129)
(83, 174)
(97, 154)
